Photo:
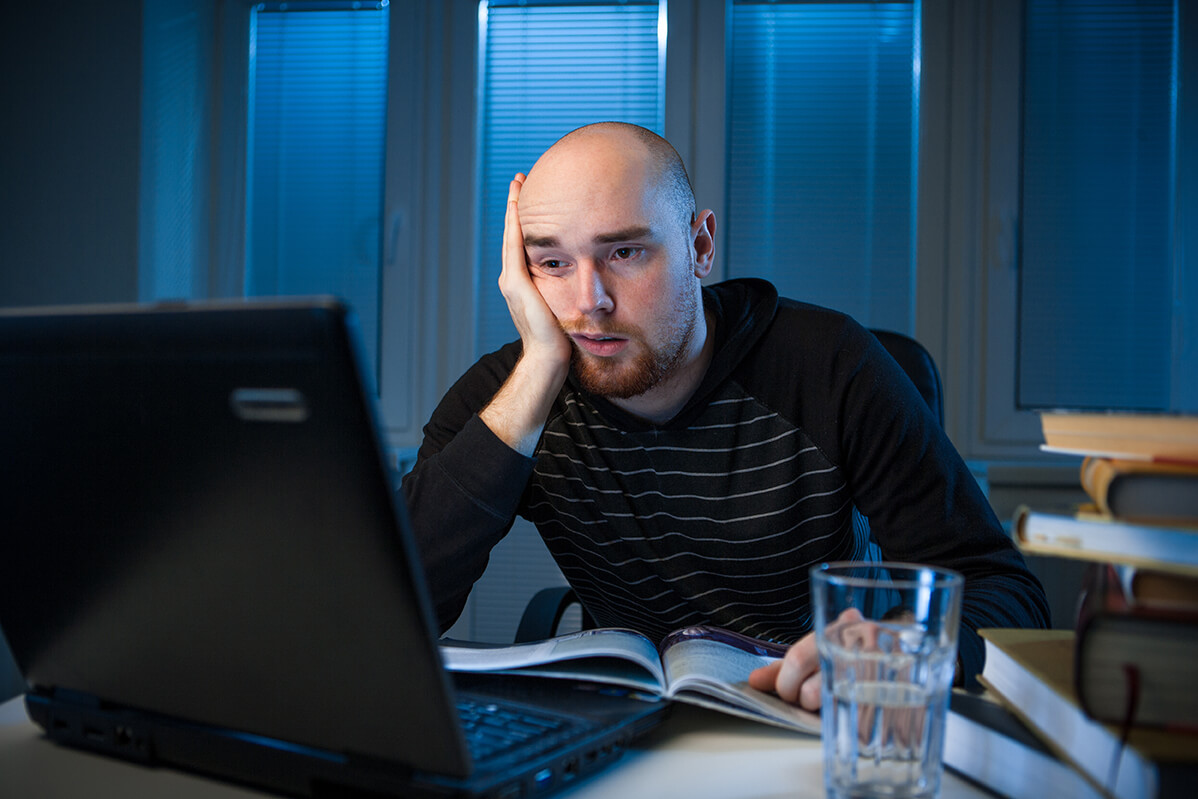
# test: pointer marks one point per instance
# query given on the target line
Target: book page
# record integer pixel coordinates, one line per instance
(713, 673)
(604, 653)
(606, 670)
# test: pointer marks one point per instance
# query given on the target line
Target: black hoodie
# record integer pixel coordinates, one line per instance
(803, 438)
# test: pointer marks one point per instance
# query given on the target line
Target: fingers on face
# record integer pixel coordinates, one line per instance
(513, 191)
(513, 250)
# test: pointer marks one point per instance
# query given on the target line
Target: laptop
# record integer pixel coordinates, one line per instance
(205, 564)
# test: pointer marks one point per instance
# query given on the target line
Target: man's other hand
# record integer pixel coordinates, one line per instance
(795, 677)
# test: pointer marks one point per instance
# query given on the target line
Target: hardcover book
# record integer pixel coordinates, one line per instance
(1031, 671)
(1143, 490)
(1096, 537)
(987, 743)
(1135, 656)
(1134, 436)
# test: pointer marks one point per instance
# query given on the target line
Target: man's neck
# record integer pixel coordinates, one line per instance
(663, 402)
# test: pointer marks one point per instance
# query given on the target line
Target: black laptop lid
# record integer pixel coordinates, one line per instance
(197, 521)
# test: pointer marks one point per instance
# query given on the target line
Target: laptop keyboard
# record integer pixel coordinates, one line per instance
(493, 729)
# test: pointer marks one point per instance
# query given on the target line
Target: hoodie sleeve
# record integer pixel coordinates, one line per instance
(464, 490)
(922, 502)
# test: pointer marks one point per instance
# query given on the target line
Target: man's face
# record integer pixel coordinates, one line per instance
(615, 266)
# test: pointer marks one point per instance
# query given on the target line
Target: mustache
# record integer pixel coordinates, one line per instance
(613, 330)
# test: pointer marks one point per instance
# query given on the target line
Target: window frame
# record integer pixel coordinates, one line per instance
(998, 429)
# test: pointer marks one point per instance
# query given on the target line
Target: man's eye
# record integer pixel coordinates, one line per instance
(624, 253)
(551, 264)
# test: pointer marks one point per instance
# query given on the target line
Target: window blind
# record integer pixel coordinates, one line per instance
(315, 164)
(547, 69)
(822, 104)
(1096, 266)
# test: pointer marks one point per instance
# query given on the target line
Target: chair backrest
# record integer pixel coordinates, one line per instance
(917, 362)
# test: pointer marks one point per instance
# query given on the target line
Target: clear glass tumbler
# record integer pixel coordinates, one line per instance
(887, 640)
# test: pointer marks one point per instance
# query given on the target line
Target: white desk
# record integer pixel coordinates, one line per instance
(696, 754)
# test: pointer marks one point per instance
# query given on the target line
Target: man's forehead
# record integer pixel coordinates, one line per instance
(605, 210)
(594, 217)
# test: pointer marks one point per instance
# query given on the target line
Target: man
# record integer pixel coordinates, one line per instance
(688, 453)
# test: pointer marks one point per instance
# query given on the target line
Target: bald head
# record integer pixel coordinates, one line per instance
(615, 248)
(596, 153)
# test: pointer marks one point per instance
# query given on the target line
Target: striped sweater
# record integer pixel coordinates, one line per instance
(804, 443)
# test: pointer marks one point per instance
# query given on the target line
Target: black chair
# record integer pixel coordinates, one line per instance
(917, 362)
(544, 611)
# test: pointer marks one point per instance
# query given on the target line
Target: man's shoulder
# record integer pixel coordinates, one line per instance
(810, 315)
(480, 382)
(500, 361)
(806, 348)
(753, 317)
(754, 301)
(817, 332)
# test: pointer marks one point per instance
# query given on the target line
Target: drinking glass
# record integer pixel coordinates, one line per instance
(887, 640)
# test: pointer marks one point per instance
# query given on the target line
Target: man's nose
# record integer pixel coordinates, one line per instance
(592, 290)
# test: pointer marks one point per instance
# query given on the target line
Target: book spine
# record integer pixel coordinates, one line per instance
(1102, 593)
(1125, 683)
(1096, 476)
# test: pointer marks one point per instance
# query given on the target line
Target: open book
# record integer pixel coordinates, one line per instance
(704, 666)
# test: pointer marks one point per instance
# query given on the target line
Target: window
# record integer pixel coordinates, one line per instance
(823, 101)
(547, 69)
(1097, 269)
(1086, 294)
(315, 154)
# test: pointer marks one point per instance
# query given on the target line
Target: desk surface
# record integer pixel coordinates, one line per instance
(696, 753)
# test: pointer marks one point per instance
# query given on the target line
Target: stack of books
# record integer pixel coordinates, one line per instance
(1117, 696)
(1141, 473)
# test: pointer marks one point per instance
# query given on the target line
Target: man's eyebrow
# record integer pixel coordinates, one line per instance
(627, 234)
(545, 242)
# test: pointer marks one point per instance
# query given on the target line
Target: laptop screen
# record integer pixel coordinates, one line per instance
(199, 523)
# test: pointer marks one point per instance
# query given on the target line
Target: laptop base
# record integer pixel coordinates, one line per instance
(148, 739)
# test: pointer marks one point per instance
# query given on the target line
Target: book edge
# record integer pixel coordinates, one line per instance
(1049, 698)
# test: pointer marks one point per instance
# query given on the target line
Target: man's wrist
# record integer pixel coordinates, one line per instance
(518, 411)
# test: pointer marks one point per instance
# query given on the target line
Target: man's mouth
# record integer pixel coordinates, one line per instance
(599, 343)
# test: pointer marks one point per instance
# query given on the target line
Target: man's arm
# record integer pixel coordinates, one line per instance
(925, 506)
(463, 491)
(476, 457)
(922, 503)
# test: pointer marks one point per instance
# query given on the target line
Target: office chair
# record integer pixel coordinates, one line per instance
(917, 362)
(544, 611)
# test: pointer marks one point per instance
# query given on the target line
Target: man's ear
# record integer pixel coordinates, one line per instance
(703, 243)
